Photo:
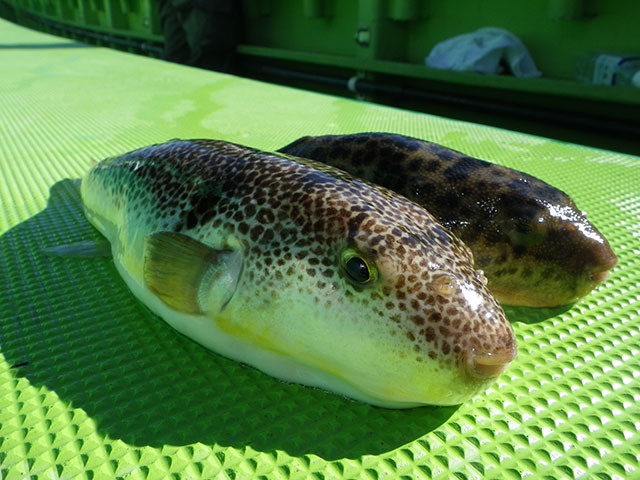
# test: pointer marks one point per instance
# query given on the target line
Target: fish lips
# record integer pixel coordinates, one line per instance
(489, 365)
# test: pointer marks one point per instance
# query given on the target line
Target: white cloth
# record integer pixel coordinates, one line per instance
(481, 51)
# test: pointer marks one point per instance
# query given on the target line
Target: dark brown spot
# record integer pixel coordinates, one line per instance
(256, 232)
(430, 334)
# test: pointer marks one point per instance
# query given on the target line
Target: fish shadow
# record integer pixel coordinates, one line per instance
(72, 326)
(531, 315)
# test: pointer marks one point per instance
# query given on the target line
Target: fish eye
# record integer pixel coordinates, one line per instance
(357, 269)
(528, 233)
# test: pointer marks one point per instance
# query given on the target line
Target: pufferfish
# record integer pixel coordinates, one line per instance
(534, 245)
(300, 270)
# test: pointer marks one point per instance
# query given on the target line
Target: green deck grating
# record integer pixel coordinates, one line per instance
(93, 386)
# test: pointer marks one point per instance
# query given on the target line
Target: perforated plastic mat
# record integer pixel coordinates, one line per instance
(94, 386)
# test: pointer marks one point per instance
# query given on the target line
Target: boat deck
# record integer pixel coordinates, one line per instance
(93, 386)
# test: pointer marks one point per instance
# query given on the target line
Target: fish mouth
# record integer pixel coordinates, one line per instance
(490, 365)
(599, 277)
(605, 261)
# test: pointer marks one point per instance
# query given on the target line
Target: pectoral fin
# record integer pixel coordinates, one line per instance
(188, 275)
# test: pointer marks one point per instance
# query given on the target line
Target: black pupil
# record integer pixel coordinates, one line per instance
(357, 269)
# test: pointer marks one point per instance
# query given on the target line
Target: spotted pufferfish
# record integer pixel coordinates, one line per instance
(535, 246)
(301, 270)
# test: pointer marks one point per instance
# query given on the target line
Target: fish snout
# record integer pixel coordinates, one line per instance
(489, 365)
(591, 250)
(603, 261)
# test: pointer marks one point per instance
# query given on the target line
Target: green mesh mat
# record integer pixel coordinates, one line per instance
(94, 386)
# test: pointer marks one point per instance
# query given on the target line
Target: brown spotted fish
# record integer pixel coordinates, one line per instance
(534, 245)
(300, 270)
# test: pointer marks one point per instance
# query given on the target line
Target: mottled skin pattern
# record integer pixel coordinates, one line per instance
(427, 324)
(532, 242)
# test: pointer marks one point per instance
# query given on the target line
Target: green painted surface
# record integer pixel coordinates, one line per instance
(132, 18)
(461, 80)
(556, 32)
(94, 386)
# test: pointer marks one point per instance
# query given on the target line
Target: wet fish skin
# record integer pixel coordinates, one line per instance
(532, 242)
(252, 255)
